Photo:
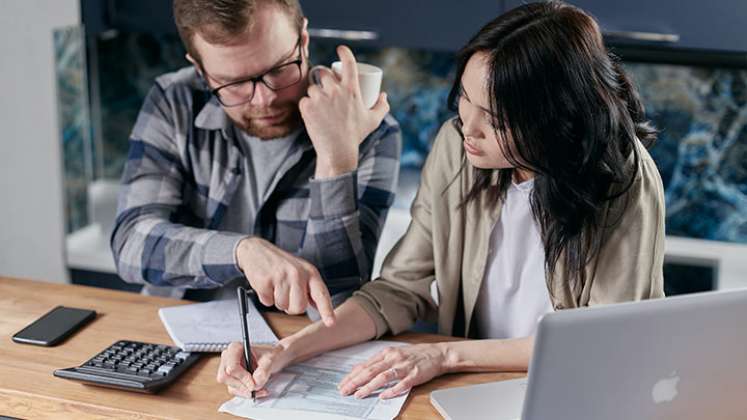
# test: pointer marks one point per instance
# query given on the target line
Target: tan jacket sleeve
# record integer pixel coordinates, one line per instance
(629, 266)
(402, 294)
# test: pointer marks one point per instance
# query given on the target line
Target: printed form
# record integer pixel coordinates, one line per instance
(308, 390)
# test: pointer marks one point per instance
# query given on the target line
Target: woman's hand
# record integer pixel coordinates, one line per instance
(266, 361)
(408, 366)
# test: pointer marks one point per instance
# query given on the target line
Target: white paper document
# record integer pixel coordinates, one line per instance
(308, 390)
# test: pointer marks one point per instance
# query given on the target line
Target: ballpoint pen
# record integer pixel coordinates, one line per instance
(245, 332)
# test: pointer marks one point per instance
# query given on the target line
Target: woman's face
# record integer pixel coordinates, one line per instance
(480, 136)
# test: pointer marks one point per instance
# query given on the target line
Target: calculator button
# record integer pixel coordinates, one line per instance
(164, 370)
(130, 370)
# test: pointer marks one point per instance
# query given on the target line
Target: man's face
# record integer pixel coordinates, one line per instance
(271, 41)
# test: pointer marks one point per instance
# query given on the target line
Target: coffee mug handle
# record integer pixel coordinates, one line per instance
(314, 77)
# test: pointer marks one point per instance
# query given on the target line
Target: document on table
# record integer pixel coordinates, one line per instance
(308, 390)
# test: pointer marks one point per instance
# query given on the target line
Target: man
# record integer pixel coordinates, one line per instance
(235, 175)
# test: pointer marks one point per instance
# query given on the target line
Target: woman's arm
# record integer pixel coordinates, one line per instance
(352, 326)
(488, 355)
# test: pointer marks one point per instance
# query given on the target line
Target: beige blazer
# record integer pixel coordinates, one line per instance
(449, 245)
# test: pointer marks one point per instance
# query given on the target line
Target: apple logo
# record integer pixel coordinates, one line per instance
(665, 390)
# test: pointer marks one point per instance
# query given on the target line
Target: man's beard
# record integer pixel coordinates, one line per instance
(290, 122)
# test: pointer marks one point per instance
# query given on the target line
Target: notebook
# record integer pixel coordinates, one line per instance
(212, 326)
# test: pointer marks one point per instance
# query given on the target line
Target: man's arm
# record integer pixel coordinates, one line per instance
(347, 212)
(148, 246)
(350, 194)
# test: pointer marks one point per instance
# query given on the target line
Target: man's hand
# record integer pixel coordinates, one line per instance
(336, 118)
(282, 279)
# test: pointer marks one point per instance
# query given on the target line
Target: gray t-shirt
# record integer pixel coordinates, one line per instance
(260, 168)
(261, 165)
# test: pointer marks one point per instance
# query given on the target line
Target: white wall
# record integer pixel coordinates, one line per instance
(31, 201)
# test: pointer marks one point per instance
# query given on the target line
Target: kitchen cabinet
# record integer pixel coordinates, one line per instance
(719, 25)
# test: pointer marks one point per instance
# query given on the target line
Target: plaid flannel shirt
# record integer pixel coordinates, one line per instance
(181, 174)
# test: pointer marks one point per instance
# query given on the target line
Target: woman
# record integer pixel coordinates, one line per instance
(539, 196)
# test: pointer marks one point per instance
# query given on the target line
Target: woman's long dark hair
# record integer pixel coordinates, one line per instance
(574, 118)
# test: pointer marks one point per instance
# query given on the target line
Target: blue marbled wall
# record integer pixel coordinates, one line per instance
(702, 147)
(74, 122)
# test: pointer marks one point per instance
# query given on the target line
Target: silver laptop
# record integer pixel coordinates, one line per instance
(681, 358)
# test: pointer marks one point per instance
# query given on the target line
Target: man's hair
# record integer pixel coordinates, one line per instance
(219, 21)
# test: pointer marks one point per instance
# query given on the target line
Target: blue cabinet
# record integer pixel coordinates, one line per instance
(149, 16)
(426, 24)
(719, 25)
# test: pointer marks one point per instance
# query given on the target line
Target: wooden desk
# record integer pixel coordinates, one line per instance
(28, 390)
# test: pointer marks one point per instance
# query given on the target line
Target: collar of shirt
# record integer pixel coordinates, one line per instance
(212, 116)
(525, 186)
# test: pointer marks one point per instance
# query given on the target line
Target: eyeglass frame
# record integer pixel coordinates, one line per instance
(260, 78)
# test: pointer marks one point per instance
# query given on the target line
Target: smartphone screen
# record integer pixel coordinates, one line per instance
(54, 326)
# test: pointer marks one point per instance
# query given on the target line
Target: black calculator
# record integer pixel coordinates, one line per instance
(132, 366)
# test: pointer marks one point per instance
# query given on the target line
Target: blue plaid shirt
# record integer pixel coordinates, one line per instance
(183, 170)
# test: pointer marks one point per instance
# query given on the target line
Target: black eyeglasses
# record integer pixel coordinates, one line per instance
(279, 77)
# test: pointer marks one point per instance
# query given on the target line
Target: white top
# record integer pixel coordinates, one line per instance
(513, 295)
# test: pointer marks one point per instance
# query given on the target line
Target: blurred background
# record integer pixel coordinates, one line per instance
(74, 74)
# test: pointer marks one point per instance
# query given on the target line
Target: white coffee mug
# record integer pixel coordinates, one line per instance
(369, 80)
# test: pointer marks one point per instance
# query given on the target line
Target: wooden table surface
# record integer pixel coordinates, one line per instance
(29, 391)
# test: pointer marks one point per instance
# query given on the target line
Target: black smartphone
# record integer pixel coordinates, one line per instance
(54, 326)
